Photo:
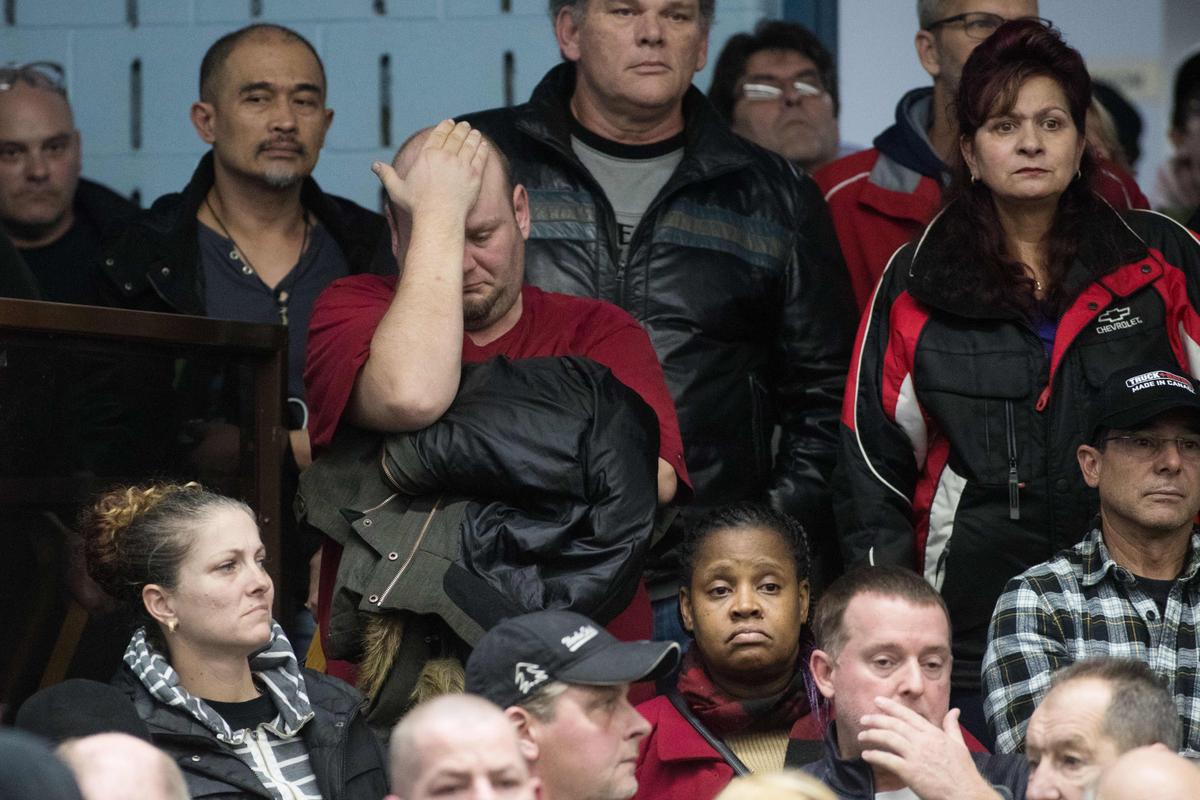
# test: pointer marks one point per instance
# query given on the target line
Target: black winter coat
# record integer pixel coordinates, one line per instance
(346, 757)
(736, 275)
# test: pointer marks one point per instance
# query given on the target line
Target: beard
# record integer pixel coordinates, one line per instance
(282, 176)
(482, 312)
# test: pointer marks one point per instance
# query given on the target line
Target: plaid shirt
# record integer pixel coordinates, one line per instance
(1082, 604)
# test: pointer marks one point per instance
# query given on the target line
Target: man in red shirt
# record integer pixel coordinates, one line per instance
(386, 354)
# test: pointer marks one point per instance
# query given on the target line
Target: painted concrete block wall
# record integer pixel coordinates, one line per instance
(393, 66)
(1137, 44)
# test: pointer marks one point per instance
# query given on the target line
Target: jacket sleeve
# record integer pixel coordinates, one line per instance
(810, 359)
(883, 437)
(1026, 644)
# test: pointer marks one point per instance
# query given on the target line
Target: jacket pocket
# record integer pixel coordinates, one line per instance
(761, 428)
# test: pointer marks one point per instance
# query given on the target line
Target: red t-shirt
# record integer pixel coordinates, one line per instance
(343, 323)
(350, 309)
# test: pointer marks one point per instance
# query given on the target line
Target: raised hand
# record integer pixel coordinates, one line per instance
(442, 177)
(933, 761)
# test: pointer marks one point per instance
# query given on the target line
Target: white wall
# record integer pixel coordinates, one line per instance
(1136, 42)
(446, 58)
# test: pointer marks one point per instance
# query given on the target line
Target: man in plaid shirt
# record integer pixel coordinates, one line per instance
(1130, 588)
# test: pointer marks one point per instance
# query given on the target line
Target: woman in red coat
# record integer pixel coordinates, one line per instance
(743, 700)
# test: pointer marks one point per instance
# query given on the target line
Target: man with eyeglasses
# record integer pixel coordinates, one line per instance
(881, 197)
(1130, 588)
(777, 86)
(54, 217)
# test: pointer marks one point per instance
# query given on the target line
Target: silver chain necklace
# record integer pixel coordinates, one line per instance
(239, 254)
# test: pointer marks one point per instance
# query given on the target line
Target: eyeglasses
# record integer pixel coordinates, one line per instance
(770, 91)
(979, 25)
(1147, 447)
(38, 74)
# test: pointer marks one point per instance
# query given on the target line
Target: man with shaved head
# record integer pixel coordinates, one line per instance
(432, 755)
(386, 354)
(117, 766)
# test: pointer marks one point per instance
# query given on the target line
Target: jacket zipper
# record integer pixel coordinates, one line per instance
(1014, 481)
(411, 555)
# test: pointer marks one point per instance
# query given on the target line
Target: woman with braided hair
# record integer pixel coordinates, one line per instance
(743, 700)
(209, 671)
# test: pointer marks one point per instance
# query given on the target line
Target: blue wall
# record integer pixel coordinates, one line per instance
(443, 57)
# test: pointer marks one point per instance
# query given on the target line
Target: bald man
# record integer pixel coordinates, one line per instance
(1148, 772)
(117, 766)
(458, 746)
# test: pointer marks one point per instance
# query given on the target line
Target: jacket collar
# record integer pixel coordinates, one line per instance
(275, 668)
(710, 148)
(847, 777)
(1106, 243)
(907, 143)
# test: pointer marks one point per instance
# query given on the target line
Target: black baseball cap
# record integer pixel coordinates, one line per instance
(522, 653)
(1133, 396)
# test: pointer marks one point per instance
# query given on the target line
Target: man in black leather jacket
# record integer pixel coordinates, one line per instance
(641, 196)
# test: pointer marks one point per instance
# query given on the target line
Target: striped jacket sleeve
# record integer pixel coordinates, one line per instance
(883, 430)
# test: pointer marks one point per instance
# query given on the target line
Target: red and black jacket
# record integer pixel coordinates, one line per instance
(959, 433)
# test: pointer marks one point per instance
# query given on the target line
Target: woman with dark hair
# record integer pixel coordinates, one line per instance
(988, 338)
(210, 672)
(743, 700)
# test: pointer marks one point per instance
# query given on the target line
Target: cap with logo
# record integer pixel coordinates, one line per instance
(523, 653)
(1133, 396)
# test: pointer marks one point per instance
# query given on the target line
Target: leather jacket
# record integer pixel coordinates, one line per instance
(735, 273)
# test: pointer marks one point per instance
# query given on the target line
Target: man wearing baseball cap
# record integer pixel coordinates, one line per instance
(563, 681)
(1130, 589)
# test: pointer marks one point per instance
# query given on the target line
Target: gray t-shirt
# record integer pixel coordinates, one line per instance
(630, 175)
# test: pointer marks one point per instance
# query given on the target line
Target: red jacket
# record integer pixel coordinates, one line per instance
(675, 763)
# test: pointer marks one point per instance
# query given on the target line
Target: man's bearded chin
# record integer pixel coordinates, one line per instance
(280, 176)
(477, 314)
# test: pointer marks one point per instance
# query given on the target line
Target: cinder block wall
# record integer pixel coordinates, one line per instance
(393, 65)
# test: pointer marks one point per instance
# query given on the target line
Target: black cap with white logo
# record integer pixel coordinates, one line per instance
(1136, 395)
(521, 654)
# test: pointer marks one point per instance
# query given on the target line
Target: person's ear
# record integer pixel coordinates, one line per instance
(966, 146)
(159, 604)
(520, 202)
(1090, 461)
(204, 118)
(528, 731)
(803, 595)
(566, 31)
(928, 53)
(686, 611)
(822, 667)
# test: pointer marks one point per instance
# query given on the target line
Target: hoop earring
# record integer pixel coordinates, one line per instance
(1078, 174)
(974, 179)
(173, 625)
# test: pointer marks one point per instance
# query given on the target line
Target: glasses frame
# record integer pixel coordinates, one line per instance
(38, 74)
(1190, 454)
(772, 93)
(966, 27)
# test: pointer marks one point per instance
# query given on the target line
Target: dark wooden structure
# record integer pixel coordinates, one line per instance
(92, 398)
